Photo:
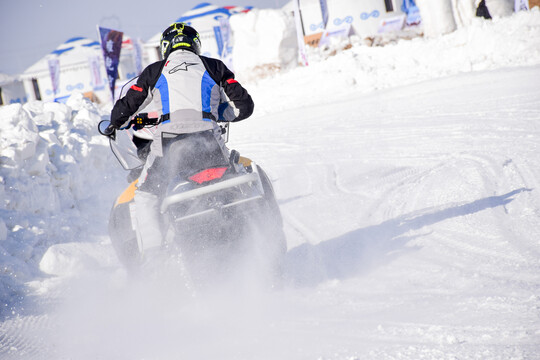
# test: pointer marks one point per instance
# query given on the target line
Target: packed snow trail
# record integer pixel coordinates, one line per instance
(416, 209)
(412, 220)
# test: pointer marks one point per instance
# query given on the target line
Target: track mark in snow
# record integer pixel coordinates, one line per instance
(22, 337)
(306, 235)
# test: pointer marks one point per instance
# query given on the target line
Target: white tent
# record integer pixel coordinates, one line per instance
(80, 69)
(11, 90)
(362, 17)
(211, 22)
(74, 56)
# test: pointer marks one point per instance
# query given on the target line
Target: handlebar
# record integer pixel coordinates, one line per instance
(138, 122)
(142, 120)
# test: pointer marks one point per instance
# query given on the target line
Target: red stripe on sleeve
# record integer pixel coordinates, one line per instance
(136, 88)
(231, 81)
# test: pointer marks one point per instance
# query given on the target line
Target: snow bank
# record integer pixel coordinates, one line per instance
(352, 66)
(265, 40)
(76, 258)
(53, 167)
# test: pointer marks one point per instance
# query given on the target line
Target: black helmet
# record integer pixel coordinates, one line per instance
(179, 36)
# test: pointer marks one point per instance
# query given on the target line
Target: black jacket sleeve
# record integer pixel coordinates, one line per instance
(225, 78)
(136, 95)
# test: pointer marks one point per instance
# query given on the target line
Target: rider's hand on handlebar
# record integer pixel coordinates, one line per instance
(139, 121)
(109, 130)
(142, 120)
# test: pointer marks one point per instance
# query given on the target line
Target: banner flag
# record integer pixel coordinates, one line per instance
(111, 45)
(344, 31)
(54, 70)
(413, 13)
(226, 53)
(219, 39)
(137, 45)
(521, 5)
(300, 33)
(324, 12)
(392, 24)
(95, 74)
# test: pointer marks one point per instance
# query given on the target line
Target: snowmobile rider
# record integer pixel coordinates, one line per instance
(192, 93)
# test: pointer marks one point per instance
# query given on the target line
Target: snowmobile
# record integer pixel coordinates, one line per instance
(209, 202)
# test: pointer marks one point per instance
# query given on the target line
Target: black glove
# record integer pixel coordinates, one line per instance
(110, 130)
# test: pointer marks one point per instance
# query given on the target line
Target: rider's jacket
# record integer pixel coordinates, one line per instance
(189, 90)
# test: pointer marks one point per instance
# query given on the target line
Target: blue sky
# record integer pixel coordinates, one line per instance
(33, 28)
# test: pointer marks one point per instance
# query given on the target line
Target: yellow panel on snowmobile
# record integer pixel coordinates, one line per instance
(244, 161)
(128, 194)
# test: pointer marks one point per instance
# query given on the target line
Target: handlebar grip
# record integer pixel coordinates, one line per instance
(109, 130)
(141, 120)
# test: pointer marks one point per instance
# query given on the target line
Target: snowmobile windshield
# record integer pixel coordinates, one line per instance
(125, 150)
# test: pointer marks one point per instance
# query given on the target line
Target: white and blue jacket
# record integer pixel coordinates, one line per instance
(191, 91)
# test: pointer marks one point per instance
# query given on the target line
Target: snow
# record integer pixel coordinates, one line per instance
(262, 37)
(440, 19)
(408, 179)
(499, 8)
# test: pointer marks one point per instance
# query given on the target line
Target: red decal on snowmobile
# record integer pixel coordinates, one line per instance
(208, 175)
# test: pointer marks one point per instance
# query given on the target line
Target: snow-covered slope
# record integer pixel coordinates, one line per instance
(408, 179)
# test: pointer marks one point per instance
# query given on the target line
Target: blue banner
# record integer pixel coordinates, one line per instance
(111, 44)
(219, 39)
(324, 12)
(413, 14)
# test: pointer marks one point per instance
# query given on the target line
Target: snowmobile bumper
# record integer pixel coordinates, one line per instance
(226, 184)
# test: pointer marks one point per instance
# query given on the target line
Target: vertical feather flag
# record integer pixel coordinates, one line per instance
(300, 33)
(111, 44)
(54, 70)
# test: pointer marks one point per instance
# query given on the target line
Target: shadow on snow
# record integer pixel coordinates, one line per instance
(362, 250)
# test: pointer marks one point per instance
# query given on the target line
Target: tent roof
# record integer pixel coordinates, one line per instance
(73, 51)
(205, 9)
(202, 10)
(73, 43)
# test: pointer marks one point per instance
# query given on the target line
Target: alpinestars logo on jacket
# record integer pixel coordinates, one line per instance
(183, 66)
